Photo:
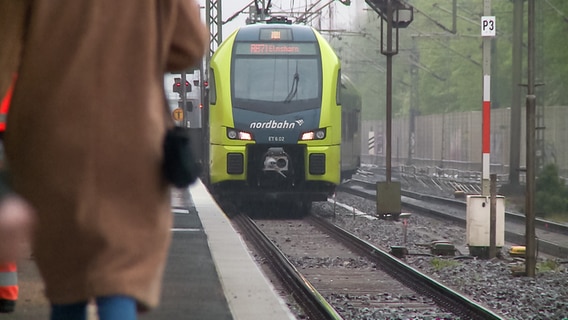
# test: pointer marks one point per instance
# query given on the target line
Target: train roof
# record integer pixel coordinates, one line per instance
(286, 32)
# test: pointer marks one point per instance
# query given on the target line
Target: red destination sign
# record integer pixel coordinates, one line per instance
(261, 48)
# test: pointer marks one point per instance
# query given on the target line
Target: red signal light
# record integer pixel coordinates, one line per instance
(177, 85)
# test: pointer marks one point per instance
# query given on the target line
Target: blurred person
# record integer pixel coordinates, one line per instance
(84, 142)
(16, 222)
(16, 215)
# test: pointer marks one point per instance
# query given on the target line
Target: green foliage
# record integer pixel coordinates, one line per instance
(551, 193)
(448, 66)
(547, 265)
(439, 264)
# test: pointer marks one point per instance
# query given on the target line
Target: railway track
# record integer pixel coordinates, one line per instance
(310, 300)
(552, 238)
(335, 275)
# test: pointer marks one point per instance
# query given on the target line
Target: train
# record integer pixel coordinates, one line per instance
(283, 122)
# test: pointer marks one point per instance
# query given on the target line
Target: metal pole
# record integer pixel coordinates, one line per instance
(213, 18)
(486, 125)
(405, 228)
(389, 54)
(184, 98)
(493, 218)
(414, 59)
(530, 262)
(515, 147)
(262, 12)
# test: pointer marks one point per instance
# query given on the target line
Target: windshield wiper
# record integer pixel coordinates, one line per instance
(294, 88)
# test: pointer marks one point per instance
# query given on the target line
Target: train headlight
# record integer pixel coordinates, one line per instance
(308, 136)
(313, 135)
(234, 134)
(245, 135)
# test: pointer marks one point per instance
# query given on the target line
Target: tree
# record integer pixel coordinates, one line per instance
(450, 64)
(551, 193)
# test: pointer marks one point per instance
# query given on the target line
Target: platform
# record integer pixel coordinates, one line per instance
(210, 273)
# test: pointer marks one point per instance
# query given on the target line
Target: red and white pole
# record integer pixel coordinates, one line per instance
(486, 134)
(488, 31)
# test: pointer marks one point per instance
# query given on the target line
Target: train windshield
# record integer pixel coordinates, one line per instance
(276, 80)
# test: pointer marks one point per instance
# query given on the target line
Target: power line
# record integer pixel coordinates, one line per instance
(560, 13)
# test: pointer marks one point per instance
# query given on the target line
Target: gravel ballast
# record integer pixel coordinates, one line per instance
(490, 282)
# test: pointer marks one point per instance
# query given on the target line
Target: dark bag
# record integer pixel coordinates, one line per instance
(180, 166)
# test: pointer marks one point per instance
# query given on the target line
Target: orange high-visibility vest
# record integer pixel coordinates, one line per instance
(8, 271)
(8, 287)
(5, 106)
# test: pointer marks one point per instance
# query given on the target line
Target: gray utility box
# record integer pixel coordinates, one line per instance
(388, 198)
(478, 221)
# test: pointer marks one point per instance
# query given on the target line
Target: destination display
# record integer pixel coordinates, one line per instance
(267, 34)
(276, 48)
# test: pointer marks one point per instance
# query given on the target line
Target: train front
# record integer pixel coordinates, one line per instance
(275, 119)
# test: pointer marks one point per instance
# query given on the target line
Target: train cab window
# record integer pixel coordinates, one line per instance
(212, 89)
(276, 80)
(277, 83)
(338, 89)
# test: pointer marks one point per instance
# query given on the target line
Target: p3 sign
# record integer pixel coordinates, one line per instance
(488, 28)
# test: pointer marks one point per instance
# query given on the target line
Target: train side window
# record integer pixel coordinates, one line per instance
(356, 117)
(344, 124)
(212, 88)
(352, 124)
(338, 88)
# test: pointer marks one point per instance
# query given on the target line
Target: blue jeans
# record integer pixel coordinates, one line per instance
(108, 308)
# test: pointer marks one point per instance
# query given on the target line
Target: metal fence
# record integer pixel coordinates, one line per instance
(452, 141)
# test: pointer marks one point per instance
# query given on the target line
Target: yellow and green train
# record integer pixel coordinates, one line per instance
(275, 116)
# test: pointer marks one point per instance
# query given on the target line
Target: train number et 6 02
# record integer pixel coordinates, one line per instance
(275, 139)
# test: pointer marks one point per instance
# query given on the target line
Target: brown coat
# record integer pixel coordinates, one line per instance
(84, 139)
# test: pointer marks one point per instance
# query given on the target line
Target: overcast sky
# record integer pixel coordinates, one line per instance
(344, 17)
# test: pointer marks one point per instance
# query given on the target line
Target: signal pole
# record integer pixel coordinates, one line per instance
(395, 14)
(517, 53)
(389, 53)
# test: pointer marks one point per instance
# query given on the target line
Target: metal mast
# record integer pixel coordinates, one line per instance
(213, 18)
(215, 23)
(530, 235)
(517, 53)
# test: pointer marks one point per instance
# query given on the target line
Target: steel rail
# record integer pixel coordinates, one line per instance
(543, 245)
(445, 297)
(311, 301)
(549, 225)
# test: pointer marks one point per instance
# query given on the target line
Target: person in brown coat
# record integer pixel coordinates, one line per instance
(84, 140)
